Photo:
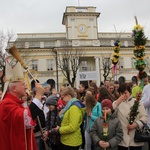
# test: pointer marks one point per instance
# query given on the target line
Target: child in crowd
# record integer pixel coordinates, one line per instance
(60, 104)
(52, 121)
(94, 88)
(81, 91)
(106, 131)
(77, 94)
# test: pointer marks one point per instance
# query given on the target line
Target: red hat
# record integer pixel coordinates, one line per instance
(107, 103)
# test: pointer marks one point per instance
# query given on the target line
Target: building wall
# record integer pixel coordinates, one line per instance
(95, 45)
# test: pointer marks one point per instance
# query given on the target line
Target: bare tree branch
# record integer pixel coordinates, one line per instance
(106, 62)
(69, 62)
(5, 38)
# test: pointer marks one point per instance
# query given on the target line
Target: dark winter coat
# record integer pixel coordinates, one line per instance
(53, 121)
(115, 132)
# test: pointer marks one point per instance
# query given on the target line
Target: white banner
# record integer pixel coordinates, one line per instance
(83, 76)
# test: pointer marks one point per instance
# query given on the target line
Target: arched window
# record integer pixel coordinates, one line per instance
(122, 79)
(120, 64)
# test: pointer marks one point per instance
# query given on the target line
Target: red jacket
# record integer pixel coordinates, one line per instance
(13, 133)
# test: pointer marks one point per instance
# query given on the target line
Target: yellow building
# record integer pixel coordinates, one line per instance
(40, 50)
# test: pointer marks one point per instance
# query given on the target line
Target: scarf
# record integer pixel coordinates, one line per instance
(68, 105)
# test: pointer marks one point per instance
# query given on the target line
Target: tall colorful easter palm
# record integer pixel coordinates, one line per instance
(115, 57)
(139, 40)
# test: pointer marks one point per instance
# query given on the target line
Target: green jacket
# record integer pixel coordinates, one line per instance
(135, 90)
(70, 130)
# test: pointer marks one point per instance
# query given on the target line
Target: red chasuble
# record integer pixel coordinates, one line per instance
(13, 133)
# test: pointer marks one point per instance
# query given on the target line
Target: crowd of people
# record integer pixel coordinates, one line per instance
(89, 118)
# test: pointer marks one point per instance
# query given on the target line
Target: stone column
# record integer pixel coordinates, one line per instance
(97, 70)
(77, 77)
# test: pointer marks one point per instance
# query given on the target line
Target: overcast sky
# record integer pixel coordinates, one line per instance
(42, 16)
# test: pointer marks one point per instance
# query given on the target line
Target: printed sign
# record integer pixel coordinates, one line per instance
(83, 76)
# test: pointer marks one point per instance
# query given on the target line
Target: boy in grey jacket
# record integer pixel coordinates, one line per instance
(106, 131)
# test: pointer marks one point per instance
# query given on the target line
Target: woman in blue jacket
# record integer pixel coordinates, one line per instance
(93, 111)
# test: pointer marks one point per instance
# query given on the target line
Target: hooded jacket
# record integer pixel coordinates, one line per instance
(115, 132)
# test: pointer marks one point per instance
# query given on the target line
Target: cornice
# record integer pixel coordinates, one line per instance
(35, 50)
(92, 48)
(81, 14)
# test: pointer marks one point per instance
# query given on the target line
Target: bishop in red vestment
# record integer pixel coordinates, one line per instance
(16, 122)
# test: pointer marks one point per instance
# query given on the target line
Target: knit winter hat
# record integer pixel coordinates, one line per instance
(52, 100)
(107, 103)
